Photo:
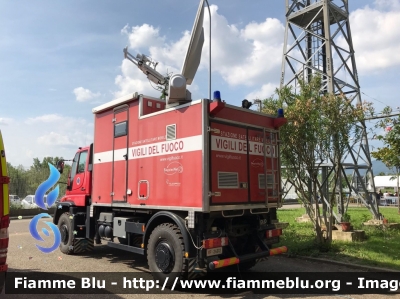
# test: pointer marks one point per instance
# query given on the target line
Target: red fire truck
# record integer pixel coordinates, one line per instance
(4, 213)
(193, 186)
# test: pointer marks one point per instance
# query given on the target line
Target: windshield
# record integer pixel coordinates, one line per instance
(73, 167)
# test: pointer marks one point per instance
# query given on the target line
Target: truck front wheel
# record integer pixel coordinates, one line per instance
(165, 252)
(67, 234)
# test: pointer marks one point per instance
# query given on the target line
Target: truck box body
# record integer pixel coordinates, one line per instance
(190, 186)
(201, 156)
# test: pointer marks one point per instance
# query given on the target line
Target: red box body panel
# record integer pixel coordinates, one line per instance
(238, 151)
(184, 157)
(157, 172)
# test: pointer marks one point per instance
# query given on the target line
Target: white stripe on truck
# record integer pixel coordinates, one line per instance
(169, 147)
(238, 146)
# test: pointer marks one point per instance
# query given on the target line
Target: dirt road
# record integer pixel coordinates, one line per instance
(23, 255)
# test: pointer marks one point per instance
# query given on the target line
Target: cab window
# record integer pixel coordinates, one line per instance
(82, 162)
(73, 167)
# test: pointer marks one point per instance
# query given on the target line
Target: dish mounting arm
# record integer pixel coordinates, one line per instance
(145, 65)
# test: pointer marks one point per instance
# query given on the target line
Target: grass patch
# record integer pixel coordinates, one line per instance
(380, 249)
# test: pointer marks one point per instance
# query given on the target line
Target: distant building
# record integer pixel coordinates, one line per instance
(385, 181)
(289, 191)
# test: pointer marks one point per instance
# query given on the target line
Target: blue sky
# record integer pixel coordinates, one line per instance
(60, 59)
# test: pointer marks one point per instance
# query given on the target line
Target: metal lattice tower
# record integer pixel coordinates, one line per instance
(318, 41)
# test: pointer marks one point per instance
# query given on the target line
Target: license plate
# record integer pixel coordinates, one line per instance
(214, 251)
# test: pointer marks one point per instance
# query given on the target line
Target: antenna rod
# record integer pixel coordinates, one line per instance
(209, 71)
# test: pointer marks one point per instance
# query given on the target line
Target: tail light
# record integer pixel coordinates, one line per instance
(273, 233)
(216, 242)
(4, 224)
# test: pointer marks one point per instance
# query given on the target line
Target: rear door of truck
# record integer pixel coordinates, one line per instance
(240, 168)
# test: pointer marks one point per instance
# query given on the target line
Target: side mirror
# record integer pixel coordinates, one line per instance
(60, 166)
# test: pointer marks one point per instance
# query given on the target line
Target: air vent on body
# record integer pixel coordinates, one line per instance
(261, 180)
(171, 132)
(228, 180)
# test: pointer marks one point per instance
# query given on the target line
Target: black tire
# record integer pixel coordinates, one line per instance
(67, 234)
(70, 245)
(165, 253)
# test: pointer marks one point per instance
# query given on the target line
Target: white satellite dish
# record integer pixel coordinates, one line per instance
(176, 84)
(193, 54)
(177, 92)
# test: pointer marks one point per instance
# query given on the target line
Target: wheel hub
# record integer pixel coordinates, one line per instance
(164, 256)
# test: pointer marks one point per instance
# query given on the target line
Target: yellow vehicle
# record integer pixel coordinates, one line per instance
(4, 211)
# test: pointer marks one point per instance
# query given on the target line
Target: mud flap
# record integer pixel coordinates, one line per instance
(83, 245)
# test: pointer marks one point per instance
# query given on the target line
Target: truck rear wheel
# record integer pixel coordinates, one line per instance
(165, 253)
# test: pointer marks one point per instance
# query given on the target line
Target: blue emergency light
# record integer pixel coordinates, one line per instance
(217, 96)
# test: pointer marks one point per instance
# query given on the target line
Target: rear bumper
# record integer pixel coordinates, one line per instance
(248, 257)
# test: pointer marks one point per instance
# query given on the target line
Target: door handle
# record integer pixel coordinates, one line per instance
(125, 156)
(83, 189)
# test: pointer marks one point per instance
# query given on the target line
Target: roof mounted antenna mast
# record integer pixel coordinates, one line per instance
(148, 67)
(174, 87)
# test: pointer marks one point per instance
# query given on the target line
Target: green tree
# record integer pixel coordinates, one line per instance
(18, 180)
(389, 127)
(26, 181)
(318, 131)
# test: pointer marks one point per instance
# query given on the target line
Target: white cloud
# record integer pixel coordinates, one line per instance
(5, 121)
(249, 57)
(83, 94)
(387, 4)
(44, 118)
(376, 38)
(54, 138)
(125, 29)
(264, 92)
(144, 36)
(45, 135)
